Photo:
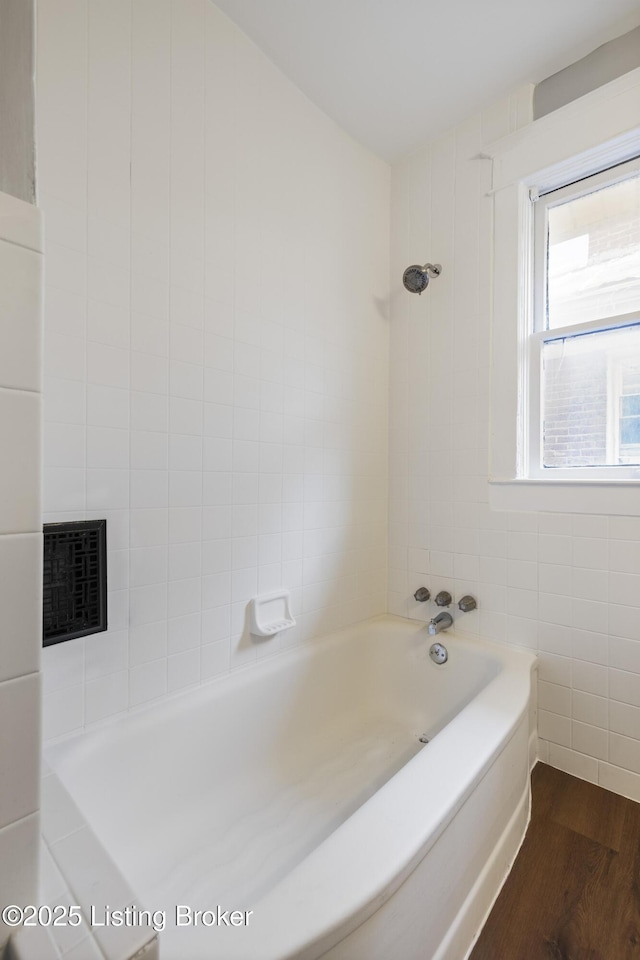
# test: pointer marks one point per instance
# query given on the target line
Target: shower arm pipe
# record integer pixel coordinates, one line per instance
(433, 269)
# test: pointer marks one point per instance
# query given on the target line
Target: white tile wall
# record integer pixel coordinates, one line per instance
(216, 384)
(20, 548)
(216, 355)
(20, 586)
(19, 843)
(565, 586)
(19, 747)
(74, 869)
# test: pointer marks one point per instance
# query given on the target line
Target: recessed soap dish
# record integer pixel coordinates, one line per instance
(271, 613)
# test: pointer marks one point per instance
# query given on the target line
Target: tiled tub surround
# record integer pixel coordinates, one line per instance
(76, 870)
(20, 548)
(216, 345)
(566, 586)
(317, 807)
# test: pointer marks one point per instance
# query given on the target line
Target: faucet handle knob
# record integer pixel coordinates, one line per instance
(421, 594)
(443, 599)
(467, 603)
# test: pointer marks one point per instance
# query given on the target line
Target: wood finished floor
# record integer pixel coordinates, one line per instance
(574, 890)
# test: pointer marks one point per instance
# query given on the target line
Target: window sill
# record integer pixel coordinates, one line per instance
(614, 497)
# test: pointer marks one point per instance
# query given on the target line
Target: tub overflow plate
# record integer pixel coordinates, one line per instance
(438, 653)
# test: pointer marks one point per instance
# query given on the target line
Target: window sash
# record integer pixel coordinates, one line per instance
(535, 467)
(552, 198)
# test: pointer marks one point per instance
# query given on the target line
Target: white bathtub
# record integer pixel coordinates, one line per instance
(299, 790)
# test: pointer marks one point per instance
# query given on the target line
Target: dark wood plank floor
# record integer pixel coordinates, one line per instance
(574, 890)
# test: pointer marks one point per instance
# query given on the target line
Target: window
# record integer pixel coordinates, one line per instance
(584, 349)
(581, 300)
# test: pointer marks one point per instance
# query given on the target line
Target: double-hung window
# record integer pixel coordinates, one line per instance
(583, 362)
(565, 308)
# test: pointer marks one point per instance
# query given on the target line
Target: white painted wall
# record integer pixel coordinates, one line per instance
(566, 586)
(216, 345)
(17, 154)
(20, 549)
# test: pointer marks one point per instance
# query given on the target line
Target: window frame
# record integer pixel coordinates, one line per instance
(583, 138)
(540, 334)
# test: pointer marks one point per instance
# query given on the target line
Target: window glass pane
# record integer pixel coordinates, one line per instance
(630, 405)
(590, 390)
(594, 255)
(630, 431)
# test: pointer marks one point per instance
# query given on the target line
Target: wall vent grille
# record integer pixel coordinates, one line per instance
(75, 580)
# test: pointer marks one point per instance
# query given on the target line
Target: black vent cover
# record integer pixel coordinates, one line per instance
(75, 580)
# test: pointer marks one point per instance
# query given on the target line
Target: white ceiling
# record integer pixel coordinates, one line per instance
(395, 73)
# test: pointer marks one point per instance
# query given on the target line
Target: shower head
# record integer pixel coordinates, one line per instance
(416, 278)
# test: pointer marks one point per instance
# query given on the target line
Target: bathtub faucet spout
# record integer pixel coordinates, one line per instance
(442, 622)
